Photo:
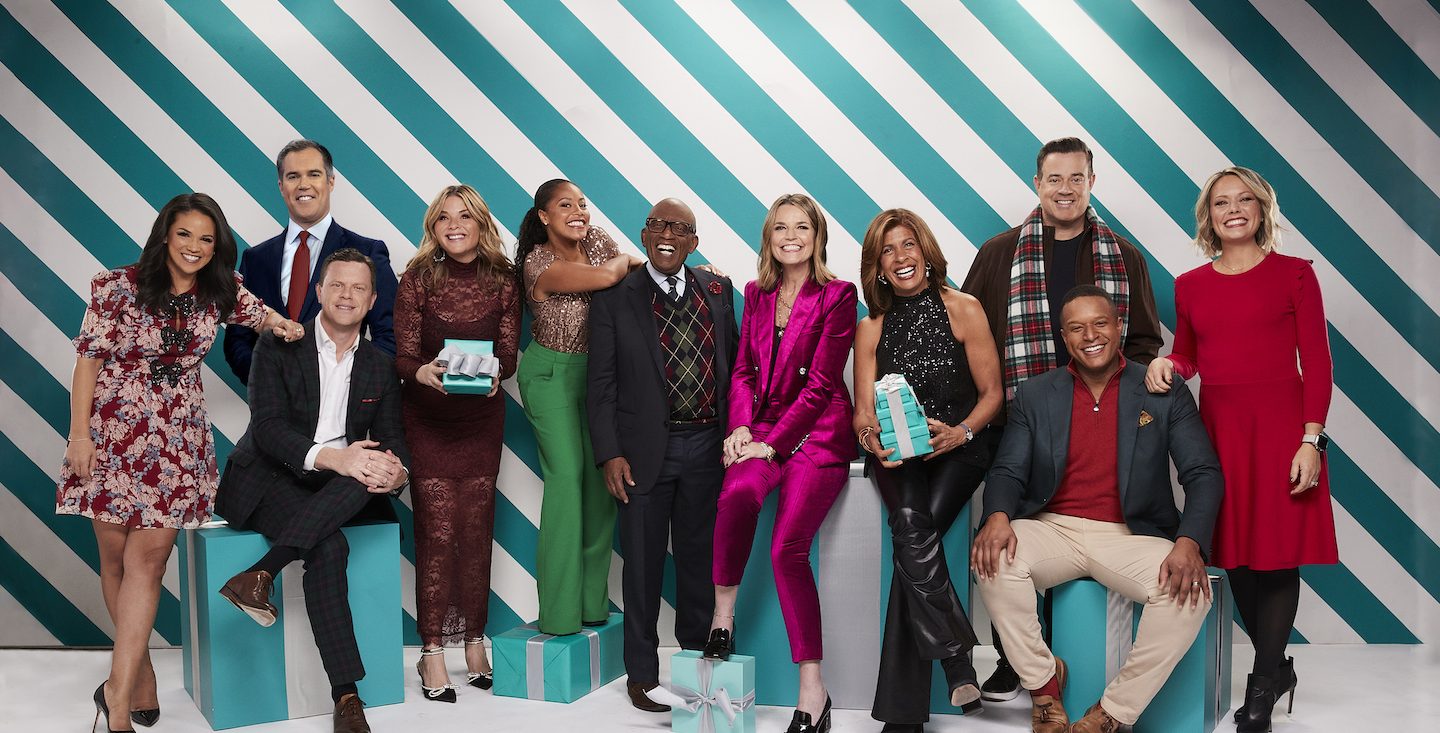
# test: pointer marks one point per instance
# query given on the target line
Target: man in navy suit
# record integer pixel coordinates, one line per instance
(282, 270)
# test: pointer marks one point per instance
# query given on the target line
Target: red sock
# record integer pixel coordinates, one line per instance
(1051, 688)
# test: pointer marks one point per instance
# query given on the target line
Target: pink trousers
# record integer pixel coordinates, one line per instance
(806, 493)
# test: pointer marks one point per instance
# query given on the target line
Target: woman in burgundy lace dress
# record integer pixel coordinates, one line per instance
(459, 285)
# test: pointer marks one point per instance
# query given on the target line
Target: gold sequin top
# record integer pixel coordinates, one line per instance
(560, 322)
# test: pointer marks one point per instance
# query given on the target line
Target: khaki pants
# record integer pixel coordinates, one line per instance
(1052, 549)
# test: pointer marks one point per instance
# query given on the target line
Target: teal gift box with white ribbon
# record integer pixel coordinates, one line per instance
(902, 418)
(471, 367)
(240, 673)
(1094, 630)
(711, 696)
(539, 666)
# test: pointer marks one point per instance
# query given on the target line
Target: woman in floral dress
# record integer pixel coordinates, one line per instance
(139, 454)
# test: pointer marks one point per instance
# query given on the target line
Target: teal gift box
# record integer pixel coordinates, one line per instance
(240, 673)
(539, 666)
(459, 383)
(715, 696)
(1093, 630)
(902, 419)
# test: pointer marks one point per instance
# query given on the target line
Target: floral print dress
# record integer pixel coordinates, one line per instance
(154, 454)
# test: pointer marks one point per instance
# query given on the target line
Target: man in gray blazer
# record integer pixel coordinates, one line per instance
(1081, 488)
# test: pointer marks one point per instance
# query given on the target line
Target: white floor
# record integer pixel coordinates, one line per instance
(1342, 688)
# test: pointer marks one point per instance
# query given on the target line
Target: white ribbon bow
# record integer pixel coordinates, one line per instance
(891, 383)
(458, 363)
(702, 702)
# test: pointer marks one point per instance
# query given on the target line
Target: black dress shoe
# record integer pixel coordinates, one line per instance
(720, 645)
(801, 722)
(637, 692)
(601, 622)
(145, 718)
(1003, 685)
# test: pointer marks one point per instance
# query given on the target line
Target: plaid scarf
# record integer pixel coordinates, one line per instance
(1029, 340)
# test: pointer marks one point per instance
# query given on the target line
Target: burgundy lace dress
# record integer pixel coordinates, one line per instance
(455, 443)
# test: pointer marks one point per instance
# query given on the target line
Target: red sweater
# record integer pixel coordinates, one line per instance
(1090, 488)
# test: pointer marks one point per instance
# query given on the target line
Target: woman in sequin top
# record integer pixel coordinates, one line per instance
(938, 339)
(459, 285)
(140, 460)
(564, 259)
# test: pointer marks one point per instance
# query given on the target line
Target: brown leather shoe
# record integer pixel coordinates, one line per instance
(1096, 720)
(637, 692)
(1047, 714)
(250, 592)
(350, 715)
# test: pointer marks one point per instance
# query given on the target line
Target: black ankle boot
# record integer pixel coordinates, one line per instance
(964, 686)
(1259, 704)
(1284, 681)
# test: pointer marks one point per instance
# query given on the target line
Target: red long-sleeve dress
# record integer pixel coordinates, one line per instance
(1242, 334)
(455, 443)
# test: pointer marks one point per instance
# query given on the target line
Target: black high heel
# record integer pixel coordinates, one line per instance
(1259, 705)
(800, 723)
(443, 693)
(145, 718)
(720, 645)
(964, 685)
(102, 709)
(482, 680)
(1284, 682)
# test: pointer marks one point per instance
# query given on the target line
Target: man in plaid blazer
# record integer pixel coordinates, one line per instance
(324, 447)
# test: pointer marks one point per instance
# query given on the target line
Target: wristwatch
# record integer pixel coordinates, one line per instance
(1321, 441)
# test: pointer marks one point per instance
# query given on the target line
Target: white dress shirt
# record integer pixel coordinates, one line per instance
(334, 393)
(292, 243)
(659, 278)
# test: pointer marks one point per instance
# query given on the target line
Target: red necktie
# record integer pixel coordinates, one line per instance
(299, 277)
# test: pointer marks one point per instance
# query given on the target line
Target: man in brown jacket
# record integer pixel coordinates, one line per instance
(1021, 275)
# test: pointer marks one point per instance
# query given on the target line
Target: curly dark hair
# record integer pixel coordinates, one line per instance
(215, 284)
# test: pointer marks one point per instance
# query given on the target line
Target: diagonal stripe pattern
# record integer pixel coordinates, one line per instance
(936, 105)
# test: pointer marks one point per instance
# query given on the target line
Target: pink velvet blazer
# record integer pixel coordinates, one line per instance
(802, 403)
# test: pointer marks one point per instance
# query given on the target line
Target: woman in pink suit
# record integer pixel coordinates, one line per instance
(789, 430)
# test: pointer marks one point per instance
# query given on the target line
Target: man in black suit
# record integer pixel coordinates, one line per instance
(284, 270)
(662, 342)
(324, 447)
(1081, 487)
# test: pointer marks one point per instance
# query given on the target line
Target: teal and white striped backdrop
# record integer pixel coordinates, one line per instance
(109, 109)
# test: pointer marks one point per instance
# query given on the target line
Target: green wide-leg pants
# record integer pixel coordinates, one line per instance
(577, 514)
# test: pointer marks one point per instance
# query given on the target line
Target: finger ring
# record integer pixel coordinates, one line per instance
(1194, 582)
(1314, 483)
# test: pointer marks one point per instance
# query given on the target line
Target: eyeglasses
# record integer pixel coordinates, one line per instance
(680, 228)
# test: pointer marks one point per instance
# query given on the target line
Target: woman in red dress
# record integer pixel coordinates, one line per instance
(459, 285)
(140, 461)
(1242, 320)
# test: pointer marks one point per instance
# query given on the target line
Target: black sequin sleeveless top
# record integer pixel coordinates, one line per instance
(916, 341)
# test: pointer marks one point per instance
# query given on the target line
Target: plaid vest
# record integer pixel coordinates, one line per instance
(687, 350)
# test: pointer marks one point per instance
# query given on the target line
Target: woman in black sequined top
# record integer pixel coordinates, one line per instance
(938, 339)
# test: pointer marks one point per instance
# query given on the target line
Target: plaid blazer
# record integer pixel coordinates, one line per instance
(284, 410)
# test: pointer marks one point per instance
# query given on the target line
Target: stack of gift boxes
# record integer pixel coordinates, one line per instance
(902, 419)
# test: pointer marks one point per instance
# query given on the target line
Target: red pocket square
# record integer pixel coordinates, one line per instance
(368, 400)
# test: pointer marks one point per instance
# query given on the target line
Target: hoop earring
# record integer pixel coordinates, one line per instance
(439, 256)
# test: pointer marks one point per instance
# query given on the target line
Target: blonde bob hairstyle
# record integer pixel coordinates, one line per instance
(429, 259)
(768, 273)
(1268, 235)
(878, 295)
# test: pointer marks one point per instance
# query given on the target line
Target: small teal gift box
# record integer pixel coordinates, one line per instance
(708, 695)
(539, 666)
(902, 419)
(471, 367)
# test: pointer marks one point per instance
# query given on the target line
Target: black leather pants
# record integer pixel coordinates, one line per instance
(925, 620)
